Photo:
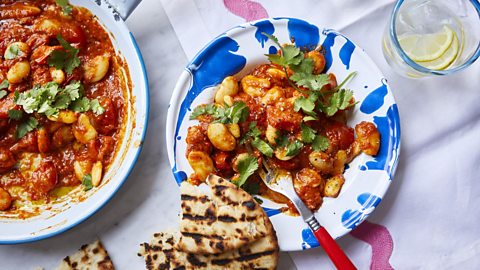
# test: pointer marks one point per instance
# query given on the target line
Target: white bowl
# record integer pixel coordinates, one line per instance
(67, 213)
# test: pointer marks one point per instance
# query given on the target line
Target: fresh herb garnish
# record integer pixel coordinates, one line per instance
(235, 114)
(263, 147)
(308, 134)
(96, 107)
(12, 52)
(294, 148)
(253, 135)
(293, 58)
(281, 140)
(246, 167)
(26, 127)
(320, 143)
(66, 58)
(253, 132)
(307, 105)
(309, 118)
(50, 98)
(338, 101)
(87, 182)
(15, 114)
(65, 5)
(81, 105)
(4, 85)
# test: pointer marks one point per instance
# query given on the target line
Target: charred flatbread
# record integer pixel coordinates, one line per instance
(88, 257)
(162, 254)
(226, 220)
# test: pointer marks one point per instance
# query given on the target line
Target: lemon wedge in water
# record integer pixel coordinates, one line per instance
(446, 59)
(421, 48)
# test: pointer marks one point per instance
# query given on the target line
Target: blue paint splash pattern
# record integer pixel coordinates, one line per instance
(263, 27)
(346, 53)
(327, 45)
(305, 35)
(271, 211)
(352, 218)
(309, 240)
(389, 128)
(208, 68)
(375, 99)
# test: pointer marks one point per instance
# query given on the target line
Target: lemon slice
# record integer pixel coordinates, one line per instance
(446, 59)
(427, 47)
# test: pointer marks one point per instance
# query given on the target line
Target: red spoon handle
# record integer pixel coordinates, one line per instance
(336, 254)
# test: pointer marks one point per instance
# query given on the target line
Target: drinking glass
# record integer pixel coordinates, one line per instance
(415, 24)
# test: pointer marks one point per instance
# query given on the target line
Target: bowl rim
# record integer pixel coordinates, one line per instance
(109, 12)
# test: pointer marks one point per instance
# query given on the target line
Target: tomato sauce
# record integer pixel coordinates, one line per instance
(59, 152)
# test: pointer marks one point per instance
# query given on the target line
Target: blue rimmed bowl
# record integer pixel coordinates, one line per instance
(237, 52)
(71, 210)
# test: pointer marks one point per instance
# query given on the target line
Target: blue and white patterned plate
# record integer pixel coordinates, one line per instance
(238, 51)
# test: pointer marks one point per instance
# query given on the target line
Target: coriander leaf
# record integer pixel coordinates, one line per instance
(308, 134)
(291, 55)
(230, 115)
(13, 52)
(96, 107)
(253, 132)
(50, 98)
(310, 81)
(281, 140)
(65, 5)
(237, 113)
(26, 127)
(74, 89)
(306, 66)
(338, 101)
(294, 148)
(263, 147)
(4, 84)
(81, 105)
(343, 97)
(87, 182)
(201, 110)
(305, 104)
(3, 93)
(62, 101)
(309, 118)
(320, 143)
(15, 114)
(246, 167)
(66, 59)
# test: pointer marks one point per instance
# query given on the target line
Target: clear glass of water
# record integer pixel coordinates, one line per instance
(432, 37)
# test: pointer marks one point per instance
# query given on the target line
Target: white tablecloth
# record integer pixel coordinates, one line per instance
(431, 210)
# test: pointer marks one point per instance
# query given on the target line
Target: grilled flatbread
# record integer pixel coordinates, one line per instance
(226, 220)
(88, 257)
(162, 253)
